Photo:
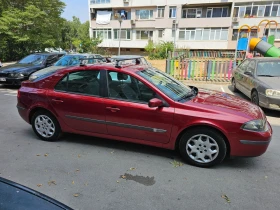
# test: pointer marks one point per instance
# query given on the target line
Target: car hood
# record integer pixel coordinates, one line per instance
(227, 104)
(48, 70)
(17, 68)
(273, 82)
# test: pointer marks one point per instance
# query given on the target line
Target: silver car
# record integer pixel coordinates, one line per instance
(259, 79)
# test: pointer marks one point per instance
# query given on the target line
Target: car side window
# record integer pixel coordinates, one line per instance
(81, 82)
(125, 87)
(251, 66)
(243, 66)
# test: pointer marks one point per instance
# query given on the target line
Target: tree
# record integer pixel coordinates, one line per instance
(29, 25)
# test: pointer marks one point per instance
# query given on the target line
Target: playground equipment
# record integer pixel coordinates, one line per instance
(264, 48)
(264, 45)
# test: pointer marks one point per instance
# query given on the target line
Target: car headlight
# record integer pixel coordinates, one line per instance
(33, 77)
(270, 92)
(255, 125)
(17, 75)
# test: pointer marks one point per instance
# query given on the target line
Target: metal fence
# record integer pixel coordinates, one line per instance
(201, 70)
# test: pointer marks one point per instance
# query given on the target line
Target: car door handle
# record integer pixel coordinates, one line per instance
(57, 100)
(113, 109)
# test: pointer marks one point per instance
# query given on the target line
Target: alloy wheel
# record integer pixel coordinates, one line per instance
(202, 148)
(44, 126)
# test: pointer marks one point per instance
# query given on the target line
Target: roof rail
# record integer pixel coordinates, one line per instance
(118, 59)
(82, 63)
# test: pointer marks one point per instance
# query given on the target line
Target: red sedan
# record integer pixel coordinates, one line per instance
(136, 104)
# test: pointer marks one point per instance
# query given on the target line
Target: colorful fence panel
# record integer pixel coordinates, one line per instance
(212, 70)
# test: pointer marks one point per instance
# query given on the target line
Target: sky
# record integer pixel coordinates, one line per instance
(78, 8)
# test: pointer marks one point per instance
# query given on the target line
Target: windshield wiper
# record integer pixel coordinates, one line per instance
(188, 95)
(265, 75)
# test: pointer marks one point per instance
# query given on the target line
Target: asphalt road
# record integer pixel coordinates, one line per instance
(86, 173)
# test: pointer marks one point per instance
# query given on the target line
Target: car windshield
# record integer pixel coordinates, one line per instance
(268, 69)
(33, 59)
(168, 85)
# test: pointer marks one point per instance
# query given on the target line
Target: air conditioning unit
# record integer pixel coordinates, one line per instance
(125, 1)
(132, 22)
(235, 20)
(198, 15)
(92, 10)
(175, 22)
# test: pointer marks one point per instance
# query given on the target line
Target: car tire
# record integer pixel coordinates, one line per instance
(199, 145)
(255, 97)
(46, 126)
(233, 84)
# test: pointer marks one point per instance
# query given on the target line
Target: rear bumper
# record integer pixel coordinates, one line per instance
(13, 81)
(250, 144)
(23, 112)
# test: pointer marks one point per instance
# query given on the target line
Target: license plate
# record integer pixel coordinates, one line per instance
(3, 79)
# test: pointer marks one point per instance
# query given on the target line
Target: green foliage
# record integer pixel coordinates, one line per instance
(28, 26)
(159, 50)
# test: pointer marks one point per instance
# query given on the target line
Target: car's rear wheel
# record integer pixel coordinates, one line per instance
(233, 84)
(203, 147)
(46, 126)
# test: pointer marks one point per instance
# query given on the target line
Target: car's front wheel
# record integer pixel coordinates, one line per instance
(255, 97)
(203, 147)
(233, 84)
(45, 126)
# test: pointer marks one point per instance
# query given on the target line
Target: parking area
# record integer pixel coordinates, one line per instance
(92, 173)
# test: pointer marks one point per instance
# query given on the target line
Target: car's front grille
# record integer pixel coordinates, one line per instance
(4, 74)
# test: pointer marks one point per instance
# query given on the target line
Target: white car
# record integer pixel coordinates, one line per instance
(1, 64)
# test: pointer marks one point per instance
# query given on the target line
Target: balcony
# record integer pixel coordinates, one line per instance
(112, 24)
(204, 22)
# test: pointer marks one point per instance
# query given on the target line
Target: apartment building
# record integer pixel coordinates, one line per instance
(193, 24)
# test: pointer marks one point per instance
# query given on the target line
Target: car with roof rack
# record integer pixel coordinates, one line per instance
(134, 103)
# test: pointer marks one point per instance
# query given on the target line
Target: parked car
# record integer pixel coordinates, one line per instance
(67, 60)
(16, 73)
(136, 104)
(16, 196)
(259, 79)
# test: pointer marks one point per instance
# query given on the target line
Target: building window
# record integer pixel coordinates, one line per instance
(125, 34)
(172, 12)
(144, 14)
(192, 13)
(272, 31)
(243, 33)
(100, 1)
(102, 33)
(257, 9)
(144, 35)
(160, 12)
(217, 12)
(124, 14)
(160, 33)
(203, 34)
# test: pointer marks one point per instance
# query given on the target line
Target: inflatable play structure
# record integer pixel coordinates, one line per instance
(264, 45)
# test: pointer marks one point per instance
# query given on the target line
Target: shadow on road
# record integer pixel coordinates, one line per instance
(9, 87)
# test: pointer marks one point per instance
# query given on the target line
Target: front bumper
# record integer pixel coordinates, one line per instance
(269, 102)
(249, 143)
(12, 81)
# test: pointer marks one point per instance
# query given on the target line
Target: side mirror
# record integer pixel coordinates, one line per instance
(155, 102)
(249, 73)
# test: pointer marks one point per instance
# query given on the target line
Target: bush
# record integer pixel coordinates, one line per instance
(159, 50)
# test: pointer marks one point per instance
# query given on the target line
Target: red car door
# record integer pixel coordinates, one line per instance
(128, 114)
(76, 99)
